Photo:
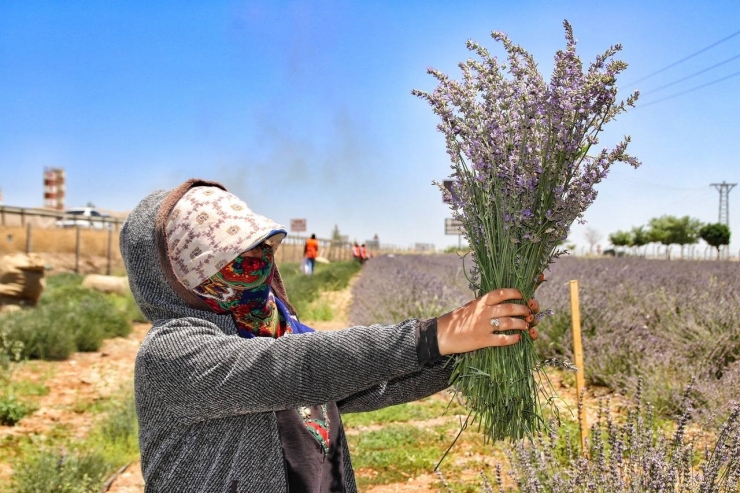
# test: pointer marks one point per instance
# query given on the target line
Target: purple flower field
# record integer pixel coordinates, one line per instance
(665, 322)
(394, 288)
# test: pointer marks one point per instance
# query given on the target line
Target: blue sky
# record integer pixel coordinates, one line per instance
(304, 108)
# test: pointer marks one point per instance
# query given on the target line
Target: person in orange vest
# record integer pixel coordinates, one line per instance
(310, 252)
(356, 252)
(363, 253)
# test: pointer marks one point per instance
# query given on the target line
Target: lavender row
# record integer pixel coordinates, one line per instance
(667, 322)
(394, 288)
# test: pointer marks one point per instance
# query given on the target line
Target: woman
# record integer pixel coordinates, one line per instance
(233, 393)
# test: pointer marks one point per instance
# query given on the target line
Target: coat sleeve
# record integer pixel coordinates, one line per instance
(407, 388)
(197, 372)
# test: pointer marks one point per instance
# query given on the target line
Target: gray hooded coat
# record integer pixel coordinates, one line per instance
(206, 398)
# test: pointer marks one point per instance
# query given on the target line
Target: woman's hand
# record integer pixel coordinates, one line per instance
(477, 324)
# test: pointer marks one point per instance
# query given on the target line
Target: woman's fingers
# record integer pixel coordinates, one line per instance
(498, 340)
(480, 322)
(510, 310)
(540, 280)
(508, 323)
(500, 295)
(534, 334)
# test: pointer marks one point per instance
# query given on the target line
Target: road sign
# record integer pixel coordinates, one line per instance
(297, 225)
(453, 226)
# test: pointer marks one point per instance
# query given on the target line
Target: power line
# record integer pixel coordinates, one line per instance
(735, 74)
(687, 57)
(634, 182)
(690, 76)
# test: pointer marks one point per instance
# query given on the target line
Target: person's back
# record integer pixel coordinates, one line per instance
(312, 247)
(311, 252)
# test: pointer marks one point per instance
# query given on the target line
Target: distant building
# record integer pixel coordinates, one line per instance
(54, 188)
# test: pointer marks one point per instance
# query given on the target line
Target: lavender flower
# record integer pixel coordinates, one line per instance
(522, 174)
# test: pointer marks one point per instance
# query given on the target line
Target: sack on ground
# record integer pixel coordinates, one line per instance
(107, 284)
(21, 278)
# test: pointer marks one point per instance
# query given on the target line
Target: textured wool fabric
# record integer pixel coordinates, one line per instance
(206, 424)
(208, 228)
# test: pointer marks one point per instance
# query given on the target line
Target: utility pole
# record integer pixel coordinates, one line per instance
(724, 201)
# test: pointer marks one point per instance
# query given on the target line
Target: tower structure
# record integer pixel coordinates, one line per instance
(54, 188)
(724, 201)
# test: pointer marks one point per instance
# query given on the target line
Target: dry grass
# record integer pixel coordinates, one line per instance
(57, 247)
(58, 240)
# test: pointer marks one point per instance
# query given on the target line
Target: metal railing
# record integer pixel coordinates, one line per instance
(35, 230)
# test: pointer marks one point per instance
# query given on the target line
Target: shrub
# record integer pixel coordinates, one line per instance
(60, 471)
(68, 318)
(303, 290)
(84, 468)
(12, 410)
(634, 456)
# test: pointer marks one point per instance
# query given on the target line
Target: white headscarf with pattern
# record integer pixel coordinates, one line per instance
(208, 228)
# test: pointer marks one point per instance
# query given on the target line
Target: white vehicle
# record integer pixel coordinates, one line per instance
(84, 217)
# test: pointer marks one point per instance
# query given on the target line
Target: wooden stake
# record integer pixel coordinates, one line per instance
(578, 355)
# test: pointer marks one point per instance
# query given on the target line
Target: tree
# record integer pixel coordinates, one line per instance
(640, 237)
(686, 231)
(660, 232)
(335, 235)
(592, 236)
(671, 230)
(620, 239)
(716, 235)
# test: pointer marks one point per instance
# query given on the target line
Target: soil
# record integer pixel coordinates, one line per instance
(86, 378)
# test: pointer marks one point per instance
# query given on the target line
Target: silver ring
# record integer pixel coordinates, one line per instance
(495, 322)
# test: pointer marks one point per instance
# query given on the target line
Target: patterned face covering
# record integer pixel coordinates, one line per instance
(242, 288)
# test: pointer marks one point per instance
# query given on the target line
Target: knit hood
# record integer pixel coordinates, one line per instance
(154, 285)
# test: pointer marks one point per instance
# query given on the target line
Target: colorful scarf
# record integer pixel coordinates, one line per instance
(242, 288)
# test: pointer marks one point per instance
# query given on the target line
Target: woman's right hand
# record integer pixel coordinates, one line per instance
(473, 325)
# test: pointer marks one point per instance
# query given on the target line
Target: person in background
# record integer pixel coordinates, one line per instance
(310, 252)
(356, 252)
(363, 253)
(233, 393)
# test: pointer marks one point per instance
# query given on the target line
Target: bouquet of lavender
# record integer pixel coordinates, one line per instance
(522, 173)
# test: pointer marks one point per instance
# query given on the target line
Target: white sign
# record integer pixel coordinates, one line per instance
(453, 226)
(297, 225)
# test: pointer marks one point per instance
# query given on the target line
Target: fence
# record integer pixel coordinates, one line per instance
(83, 249)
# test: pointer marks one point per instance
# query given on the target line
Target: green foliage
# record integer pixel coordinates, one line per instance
(82, 467)
(60, 470)
(458, 250)
(640, 236)
(12, 410)
(420, 410)
(335, 234)
(670, 230)
(303, 290)
(396, 452)
(620, 239)
(716, 235)
(117, 435)
(68, 318)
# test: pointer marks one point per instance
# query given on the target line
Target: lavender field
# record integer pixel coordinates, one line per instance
(664, 322)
